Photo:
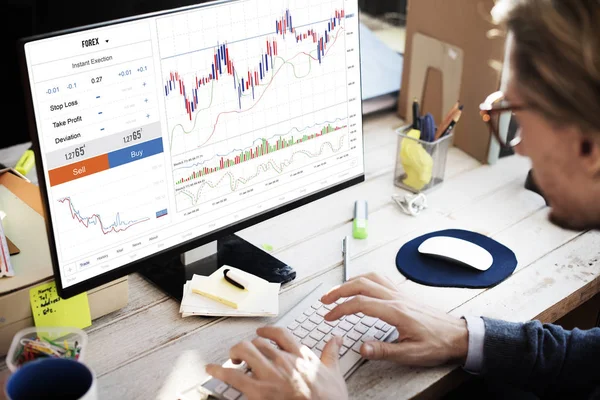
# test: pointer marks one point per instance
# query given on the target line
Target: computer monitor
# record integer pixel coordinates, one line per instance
(160, 133)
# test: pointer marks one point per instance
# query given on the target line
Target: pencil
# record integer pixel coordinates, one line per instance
(452, 124)
(446, 121)
(444, 127)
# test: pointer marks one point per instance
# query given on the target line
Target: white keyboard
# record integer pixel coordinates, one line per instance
(305, 321)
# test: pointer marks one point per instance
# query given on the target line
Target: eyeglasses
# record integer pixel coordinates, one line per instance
(497, 113)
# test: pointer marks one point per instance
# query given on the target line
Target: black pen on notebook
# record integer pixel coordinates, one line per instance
(235, 279)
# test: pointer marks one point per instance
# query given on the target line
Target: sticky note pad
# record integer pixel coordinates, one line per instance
(215, 287)
(49, 309)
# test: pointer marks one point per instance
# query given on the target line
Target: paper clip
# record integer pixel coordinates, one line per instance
(411, 204)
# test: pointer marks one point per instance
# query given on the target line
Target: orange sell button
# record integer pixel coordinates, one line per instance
(78, 170)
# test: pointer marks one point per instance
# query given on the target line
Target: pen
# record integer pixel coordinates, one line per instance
(415, 114)
(452, 124)
(346, 258)
(447, 120)
(444, 128)
(235, 279)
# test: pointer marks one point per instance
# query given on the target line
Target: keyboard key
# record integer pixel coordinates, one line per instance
(338, 332)
(348, 342)
(349, 360)
(340, 300)
(379, 324)
(379, 335)
(345, 326)
(309, 326)
(301, 332)
(212, 384)
(300, 319)
(315, 319)
(357, 346)
(368, 321)
(309, 342)
(330, 306)
(221, 388)
(322, 311)
(343, 350)
(317, 305)
(333, 323)
(386, 327)
(293, 326)
(354, 335)
(309, 312)
(324, 327)
(361, 328)
(317, 335)
(353, 319)
(327, 338)
(321, 345)
(360, 315)
(370, 335)
(231, 394)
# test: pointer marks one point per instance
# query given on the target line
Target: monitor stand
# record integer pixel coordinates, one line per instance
(171, 274)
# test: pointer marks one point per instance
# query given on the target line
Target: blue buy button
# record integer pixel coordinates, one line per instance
(136, 152)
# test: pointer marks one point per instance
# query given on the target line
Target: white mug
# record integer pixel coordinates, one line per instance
(52, 378)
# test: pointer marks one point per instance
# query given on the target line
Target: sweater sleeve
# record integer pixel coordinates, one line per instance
(544, 359)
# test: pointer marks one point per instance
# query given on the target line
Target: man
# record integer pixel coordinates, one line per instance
(554, 93)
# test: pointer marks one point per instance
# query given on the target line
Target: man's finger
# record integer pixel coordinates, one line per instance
(330, 355)
(278, 357)
(382, 309)
(234, 377)
(402, 353)
(358, 286)
(256, 361)
(375, 277)
(282, 337)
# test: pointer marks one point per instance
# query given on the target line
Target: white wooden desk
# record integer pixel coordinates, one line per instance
(147, 350)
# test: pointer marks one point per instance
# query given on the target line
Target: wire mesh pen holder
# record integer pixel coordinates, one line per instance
(420, 165)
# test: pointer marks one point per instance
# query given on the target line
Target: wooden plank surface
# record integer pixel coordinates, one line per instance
(146, 350)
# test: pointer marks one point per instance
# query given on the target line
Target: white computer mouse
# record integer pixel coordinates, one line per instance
(458, 251)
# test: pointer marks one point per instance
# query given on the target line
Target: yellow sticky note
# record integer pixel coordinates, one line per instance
(220, 290)
(49, 309)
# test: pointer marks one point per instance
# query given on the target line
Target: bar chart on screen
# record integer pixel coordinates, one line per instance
(257, 96)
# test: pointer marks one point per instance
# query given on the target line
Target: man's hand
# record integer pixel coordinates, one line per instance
(291, 371)
(427, 337)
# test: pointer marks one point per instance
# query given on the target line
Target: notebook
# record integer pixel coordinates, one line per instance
(214, 296)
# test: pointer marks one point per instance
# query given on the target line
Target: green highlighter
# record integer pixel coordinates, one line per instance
(359, 226)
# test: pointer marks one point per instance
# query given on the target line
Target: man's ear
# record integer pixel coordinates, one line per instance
(590, 154)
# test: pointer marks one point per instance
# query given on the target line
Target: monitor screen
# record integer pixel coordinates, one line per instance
(157, 131)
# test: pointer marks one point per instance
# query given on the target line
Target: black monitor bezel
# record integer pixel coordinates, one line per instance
(173, 251)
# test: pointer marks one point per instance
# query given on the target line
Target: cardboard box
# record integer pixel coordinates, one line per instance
(24, 224)
(464, 24)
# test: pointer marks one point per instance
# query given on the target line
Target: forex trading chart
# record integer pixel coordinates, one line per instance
(255, 94)
(159, 130)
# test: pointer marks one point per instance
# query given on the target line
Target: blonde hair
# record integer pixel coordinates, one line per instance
(556, 57)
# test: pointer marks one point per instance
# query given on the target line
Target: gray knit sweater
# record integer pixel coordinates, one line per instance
(544, 359)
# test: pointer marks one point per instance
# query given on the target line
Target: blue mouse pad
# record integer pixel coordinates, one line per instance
(431, 271)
